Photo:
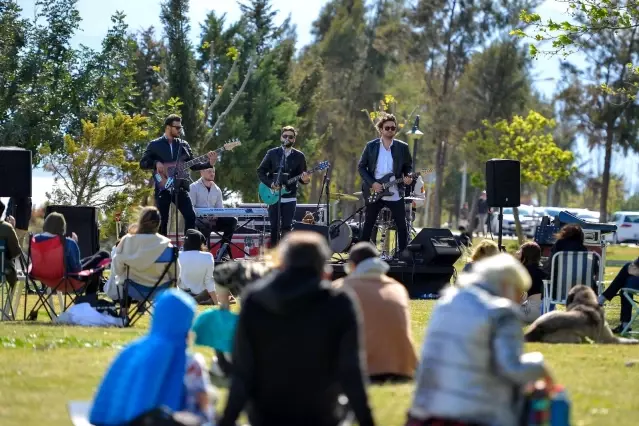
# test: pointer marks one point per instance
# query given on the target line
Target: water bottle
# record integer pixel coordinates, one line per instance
(560, 407)
(539, 406)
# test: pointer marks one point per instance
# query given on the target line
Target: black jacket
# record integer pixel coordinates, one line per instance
(298, 346)
(294, 165)
(402, 160)
(159, 150)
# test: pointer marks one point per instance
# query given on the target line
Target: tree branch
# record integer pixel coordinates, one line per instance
(234, 100)
(210, 89)
(226, 82)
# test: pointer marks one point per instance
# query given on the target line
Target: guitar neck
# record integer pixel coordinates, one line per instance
(294, 178)
(199, 160)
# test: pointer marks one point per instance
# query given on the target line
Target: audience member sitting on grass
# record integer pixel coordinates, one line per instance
(111, 286)
(137, 257)
(628, 277)
(297, 344)
(472, 369)
(390, 354)
(583, 321)
(55, 226)
(196, 269)
(157, 370)
(483, 249)
(530, 256)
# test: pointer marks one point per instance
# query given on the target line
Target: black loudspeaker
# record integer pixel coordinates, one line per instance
(433, 247)
(320, 229)
(83, 221)
(15, 172)
(503, 183)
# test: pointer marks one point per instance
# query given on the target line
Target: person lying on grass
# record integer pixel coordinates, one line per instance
(157, 370)
(472, 370)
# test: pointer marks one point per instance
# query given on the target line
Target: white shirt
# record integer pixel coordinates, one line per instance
(385, 166)
(203, 197)
(196, 273)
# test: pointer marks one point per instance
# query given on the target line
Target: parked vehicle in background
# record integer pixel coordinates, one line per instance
(627, 227)
(525, 217)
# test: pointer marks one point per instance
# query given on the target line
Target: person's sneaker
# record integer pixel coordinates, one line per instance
(618, 329)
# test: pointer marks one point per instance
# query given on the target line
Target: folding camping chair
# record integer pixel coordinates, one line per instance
(47, 265)
(568, 269)
(628, 293)
(141, 296)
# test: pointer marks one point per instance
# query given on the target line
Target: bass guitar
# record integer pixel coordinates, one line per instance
(180, 170)
(369, 194)
(271, 196)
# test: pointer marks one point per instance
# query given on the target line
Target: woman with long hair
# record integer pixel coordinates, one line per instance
(530, 256)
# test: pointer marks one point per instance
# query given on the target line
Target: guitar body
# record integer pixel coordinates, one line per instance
(268, 195)
(369, 194)
(166, 180)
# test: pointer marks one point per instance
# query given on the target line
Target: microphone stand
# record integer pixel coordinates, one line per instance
(177, 184)
(279, 199)
(326, 183)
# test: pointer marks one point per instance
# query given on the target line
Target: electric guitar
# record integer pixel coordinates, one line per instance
(180, 170)
(369, 194)
(271, 196)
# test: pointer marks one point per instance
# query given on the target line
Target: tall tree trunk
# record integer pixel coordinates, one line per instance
(520, 234)
(603, 203)
(473, 211)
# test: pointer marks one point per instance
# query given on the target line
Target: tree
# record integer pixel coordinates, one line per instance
(526, 139)
(99, 167)
(181, 70)
(150, 60)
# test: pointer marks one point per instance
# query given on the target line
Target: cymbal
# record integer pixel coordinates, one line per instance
(414, 198)
(345, 197)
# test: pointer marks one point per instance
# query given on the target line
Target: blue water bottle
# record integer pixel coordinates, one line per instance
(560, 407)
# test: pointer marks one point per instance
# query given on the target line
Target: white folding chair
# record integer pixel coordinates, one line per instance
(568, 269)
(628, 293)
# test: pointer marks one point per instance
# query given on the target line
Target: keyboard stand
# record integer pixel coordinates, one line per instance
(226, 244)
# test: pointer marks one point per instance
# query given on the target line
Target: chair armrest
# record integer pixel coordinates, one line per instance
(630, 290)
(104, 263)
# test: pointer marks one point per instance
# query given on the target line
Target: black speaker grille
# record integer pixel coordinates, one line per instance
(15, 172)
(503, 183)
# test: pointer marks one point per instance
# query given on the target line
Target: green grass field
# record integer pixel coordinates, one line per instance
(43, 366)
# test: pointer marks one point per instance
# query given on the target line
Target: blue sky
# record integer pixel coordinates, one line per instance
(144, 13)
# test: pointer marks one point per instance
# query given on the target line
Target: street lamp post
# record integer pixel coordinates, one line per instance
(414, 135)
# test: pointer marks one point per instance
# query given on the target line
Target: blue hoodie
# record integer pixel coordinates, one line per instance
(149, 372)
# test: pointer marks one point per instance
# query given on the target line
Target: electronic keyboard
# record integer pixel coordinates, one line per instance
(231, 212)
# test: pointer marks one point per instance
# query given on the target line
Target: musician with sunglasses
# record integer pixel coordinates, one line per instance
(294, 164)
(380, 157)
(170, 148)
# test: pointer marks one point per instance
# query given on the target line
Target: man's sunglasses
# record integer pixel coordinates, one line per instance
(178, 127)
(390, 128)
(288, 136)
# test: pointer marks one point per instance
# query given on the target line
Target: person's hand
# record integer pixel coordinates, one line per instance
(306, 178)
(12, 220)
(275, 187)
(408, 180)
(377, 187)
(212, 157)
(159, 167)
(74, 237)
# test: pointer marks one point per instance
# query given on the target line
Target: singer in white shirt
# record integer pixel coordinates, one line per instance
(205, 193)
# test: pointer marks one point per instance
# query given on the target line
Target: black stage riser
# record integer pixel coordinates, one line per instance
(418, 280)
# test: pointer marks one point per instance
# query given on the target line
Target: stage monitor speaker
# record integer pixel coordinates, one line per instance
(320, 229)
(15, 172)
(503, 183)
(82, 220)
(433, 247)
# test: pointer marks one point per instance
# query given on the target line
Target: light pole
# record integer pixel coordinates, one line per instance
(414, 135)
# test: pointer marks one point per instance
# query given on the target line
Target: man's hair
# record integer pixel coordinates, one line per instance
(2, 207)
(362, 251)
(149, 221)
(55, 224)
(171, 119)
(384, 118)
(304, 250)
(289, 129)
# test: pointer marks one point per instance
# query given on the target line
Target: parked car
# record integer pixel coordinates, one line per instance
(508, 226)
(627, 227)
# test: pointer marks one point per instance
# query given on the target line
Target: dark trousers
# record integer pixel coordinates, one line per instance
(224, 225)
(288, 213)
(398, 212)
(163, 200)
(622, 280)
(92, 262)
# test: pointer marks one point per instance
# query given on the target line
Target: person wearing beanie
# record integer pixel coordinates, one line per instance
(196, 272)
(156, 370)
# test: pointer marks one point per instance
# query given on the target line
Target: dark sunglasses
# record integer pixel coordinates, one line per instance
(178, 127)
(390, 128)
(288, 136)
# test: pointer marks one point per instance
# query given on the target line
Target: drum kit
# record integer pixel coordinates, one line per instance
(344, 233)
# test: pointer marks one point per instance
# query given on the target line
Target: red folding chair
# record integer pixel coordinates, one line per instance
(47, 265)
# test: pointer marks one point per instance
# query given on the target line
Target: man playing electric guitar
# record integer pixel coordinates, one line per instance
(166, 149)
(294, 164)
(380, 157)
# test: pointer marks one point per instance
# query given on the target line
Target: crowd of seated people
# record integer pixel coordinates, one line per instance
(196, 269)
(483, 249)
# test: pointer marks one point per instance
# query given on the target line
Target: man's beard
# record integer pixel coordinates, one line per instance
(287, 143)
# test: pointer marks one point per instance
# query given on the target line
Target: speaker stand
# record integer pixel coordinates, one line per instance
(500, 219)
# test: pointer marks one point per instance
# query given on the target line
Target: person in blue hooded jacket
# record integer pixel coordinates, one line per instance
(156, 370)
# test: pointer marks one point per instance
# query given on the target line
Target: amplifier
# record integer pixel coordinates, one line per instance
(320, 229)
(435, 247)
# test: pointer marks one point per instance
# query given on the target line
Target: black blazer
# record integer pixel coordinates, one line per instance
(402, 160)
(294, 165)
(158, 150)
